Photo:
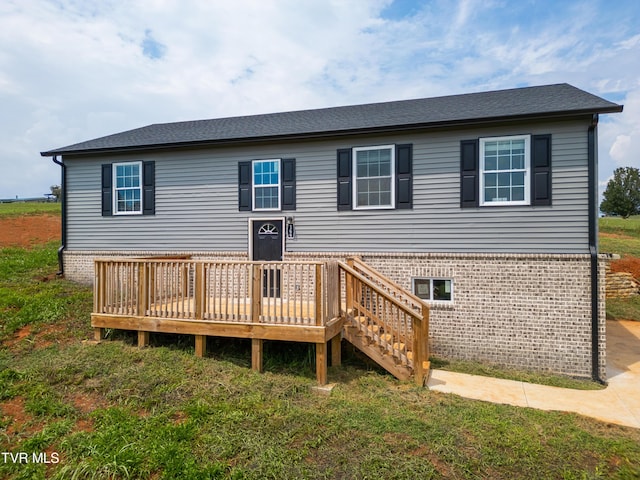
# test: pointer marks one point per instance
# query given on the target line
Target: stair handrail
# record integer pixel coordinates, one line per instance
(407, 297)
(371, 284)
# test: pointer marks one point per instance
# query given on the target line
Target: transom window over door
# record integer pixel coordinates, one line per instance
(266, 184)
(127, 188)
(374, 169)
(504, 164)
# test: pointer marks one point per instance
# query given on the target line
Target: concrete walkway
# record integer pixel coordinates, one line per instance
(619, 403)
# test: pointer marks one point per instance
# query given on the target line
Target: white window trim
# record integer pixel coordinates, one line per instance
(431, 301)
(355, 178)
(527, 171)
(254, 186)
(114, 188)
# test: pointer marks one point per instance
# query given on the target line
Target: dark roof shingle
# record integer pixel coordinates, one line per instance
(548, 100)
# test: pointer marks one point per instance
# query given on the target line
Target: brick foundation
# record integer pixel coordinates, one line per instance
(527, 311)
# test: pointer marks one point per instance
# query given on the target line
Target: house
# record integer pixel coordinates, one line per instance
(484, 205)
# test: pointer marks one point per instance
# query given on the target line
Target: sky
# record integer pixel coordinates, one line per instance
(74, 70)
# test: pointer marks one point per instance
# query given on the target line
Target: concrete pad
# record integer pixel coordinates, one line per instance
(323, 389)
(619, 403)
(493, 390)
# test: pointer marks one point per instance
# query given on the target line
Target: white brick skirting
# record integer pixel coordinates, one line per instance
(527, 311)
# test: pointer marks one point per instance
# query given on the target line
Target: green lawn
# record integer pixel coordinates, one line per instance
(29, 208)
(115, 411)
(629, 226)
(621, 236)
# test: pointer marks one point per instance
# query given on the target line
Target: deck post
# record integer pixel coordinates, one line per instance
(321, 363)
(336, 353)
(199, 292)
(256, 293)
(184, 277)
(348, 288)
(143, 339)
(426, 364)
(99, 287)
(98, 334)
(421, 347)
(256, 354)
(319, 295)
(143, 289)
(201, 345)
(418, 372)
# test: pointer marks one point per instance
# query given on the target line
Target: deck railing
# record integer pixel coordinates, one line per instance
(290, 293)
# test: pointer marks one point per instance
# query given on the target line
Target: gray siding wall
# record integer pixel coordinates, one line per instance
(197, 201)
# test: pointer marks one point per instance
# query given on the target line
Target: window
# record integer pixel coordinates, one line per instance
(435, 289)
(504, 170)
(127, 188)
(374, 169)
(266, 184)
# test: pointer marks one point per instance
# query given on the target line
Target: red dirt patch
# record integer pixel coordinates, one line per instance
(21, 334)
(13, 409)
(614, 235)
(627, 264)
(43, 337)
(29, 230)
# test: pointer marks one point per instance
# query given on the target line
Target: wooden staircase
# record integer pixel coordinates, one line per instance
(385, 322)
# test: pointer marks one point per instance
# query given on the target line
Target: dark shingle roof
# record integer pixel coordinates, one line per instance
(529, 102)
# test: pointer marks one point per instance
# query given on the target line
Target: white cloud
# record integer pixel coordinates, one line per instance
(621, 148)
(74, 70)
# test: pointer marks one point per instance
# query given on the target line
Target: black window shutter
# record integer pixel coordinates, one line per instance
(541, 170)
(469, 174)
(344, 179)
(404, 176)
(148, 188)
(107, 191)
(288, 184)
(244, 186)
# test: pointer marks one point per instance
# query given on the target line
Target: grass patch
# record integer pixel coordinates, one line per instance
(621, 236)
(163, 413)
(17, 209)
(623, 308)
(30, 295)
(540, 378)
(621, 244)
(618, 225)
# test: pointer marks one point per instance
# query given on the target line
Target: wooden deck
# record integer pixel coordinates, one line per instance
(311, 302)
(289, 301)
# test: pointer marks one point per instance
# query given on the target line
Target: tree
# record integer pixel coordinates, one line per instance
(622, 195)
(55, 191)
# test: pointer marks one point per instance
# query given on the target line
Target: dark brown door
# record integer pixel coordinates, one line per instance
(267, 246)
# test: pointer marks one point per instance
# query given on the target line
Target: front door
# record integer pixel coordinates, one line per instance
(267, 246)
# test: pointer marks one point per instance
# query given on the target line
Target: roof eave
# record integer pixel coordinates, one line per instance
(332, 133)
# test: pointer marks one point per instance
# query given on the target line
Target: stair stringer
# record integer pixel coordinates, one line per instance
(375, 351)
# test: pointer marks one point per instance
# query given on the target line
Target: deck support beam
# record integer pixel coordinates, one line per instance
(336, 353)
(256, 354)
(201, 346)
(321, 363)
(143, 339)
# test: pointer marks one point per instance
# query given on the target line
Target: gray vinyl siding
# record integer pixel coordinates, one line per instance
(197, 201)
